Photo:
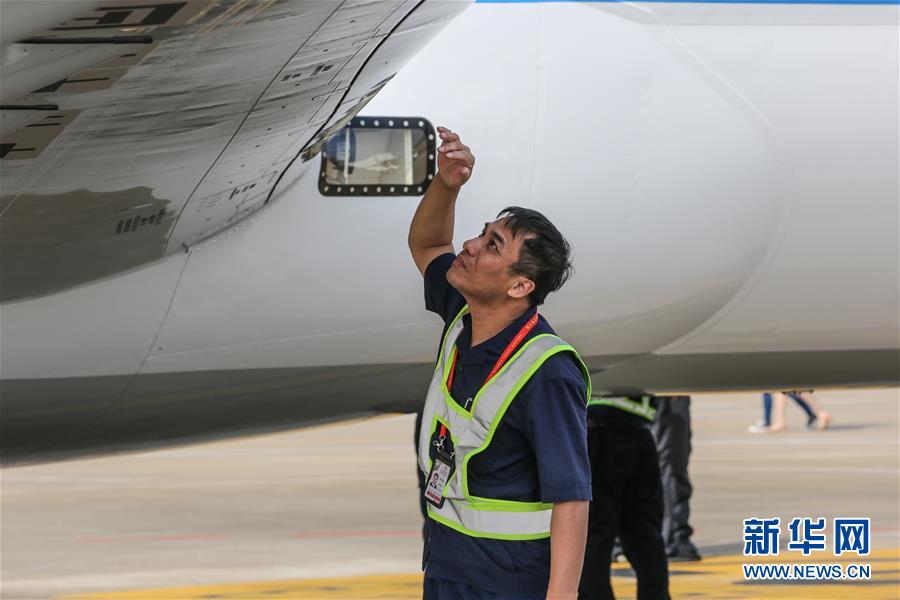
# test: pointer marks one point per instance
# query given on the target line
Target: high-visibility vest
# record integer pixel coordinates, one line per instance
(641, 409)
(472, 431)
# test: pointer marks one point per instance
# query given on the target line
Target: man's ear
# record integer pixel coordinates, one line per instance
(521, 288)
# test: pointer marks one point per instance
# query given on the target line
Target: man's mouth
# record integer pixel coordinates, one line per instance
(459, 262)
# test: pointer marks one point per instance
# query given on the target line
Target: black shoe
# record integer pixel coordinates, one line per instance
(683, 552)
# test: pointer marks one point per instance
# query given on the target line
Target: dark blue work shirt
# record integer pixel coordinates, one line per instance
(539, 452)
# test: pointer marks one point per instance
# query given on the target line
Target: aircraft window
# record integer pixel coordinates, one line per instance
(379, 156)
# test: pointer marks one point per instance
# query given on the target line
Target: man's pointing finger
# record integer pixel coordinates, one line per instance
(450, 146)
(460, 154)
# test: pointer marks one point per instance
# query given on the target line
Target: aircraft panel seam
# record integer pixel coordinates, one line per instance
(734, 96)
(159, 330)
(248, 113)
(340, 102)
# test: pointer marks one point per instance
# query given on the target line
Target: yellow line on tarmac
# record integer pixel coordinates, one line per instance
(713, 578)
(344, 588)
(722, 577)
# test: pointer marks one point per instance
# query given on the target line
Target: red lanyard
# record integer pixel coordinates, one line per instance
(503, 357)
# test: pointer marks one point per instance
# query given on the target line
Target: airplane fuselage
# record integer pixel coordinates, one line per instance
(726, 174)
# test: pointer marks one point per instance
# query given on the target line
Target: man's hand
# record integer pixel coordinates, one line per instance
(455, 160)
(431, 230)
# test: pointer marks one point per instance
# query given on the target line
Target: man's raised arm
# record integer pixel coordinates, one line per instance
(431, 231)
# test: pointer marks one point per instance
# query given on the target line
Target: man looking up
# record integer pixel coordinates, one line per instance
(503, 439)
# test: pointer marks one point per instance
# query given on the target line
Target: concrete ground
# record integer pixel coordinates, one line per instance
(332, 512)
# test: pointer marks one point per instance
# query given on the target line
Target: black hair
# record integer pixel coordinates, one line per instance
(544, 257)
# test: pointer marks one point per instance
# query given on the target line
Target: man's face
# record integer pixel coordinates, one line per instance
(481, 271)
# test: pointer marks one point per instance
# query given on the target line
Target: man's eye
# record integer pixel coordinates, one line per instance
(492, 243)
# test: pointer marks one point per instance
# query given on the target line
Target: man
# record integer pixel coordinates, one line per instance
(502, 448)
(627, 498)
(672, 430)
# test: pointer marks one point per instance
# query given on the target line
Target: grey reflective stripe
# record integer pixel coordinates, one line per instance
(642, 409)
(495, 522)
(435, 401)
(488, 404)
(453, 332)
(472, 433)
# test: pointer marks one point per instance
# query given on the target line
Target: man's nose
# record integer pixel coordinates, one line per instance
(471, 246)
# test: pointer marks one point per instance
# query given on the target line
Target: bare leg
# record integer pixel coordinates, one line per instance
(779, 401)
(823, 418)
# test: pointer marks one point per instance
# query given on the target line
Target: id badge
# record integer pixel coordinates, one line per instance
(437, 479)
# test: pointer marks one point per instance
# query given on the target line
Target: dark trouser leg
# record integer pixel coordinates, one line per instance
(641, 522)
(810, 413)
(608, 465)
(672, 429)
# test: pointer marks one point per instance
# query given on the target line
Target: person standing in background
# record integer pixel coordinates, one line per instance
(672, 430)
(628, 498)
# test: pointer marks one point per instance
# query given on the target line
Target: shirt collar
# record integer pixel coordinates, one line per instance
(493, 347)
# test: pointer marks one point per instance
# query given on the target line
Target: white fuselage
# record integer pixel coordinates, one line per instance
(727, 175)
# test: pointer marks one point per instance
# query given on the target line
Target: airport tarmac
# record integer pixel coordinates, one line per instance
(333, 513)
